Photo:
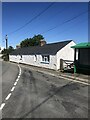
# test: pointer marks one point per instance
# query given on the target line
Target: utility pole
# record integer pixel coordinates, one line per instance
(6, 38)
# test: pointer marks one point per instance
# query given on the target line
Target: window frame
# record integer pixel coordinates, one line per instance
(45, 58)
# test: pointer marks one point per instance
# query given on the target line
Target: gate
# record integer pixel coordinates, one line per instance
(66, 64)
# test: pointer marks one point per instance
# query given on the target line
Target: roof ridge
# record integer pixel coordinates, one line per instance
(59, 42)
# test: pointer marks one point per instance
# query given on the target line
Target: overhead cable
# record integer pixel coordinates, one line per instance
(65, 22)
(32, 19)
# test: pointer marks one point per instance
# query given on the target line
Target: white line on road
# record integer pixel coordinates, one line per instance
(15, 83)
(12, 89)
(2, 105)
(18, 76)
(17, 79)
(66, 78)
(8, 96)
(74, 80)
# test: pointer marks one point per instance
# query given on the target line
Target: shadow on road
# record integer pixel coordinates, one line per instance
(50, 96)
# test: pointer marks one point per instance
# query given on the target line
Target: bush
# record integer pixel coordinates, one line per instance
(6, 53)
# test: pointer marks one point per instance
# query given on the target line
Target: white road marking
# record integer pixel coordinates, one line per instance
(8, 96)
(66, 78)
(2, 105)
(18, 76)
(20, 70)
(74, 80)
(17, 79)
(12, 89)
(15, 83)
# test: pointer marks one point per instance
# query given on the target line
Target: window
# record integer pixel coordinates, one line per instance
(45, 58)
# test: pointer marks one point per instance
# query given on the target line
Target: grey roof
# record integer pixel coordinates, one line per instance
(50, 49)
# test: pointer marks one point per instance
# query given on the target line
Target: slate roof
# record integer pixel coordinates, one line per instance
(48, 49)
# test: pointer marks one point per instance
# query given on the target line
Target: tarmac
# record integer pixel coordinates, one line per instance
(38, 94)
(74, 76)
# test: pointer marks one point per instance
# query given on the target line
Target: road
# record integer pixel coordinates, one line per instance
(40, 95)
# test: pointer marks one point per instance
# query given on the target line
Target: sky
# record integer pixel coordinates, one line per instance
(57, 21)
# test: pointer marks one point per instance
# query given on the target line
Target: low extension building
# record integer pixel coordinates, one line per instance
(46, 55)
(82, 58)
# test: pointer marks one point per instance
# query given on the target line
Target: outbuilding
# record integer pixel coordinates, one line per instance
(82, 58)
(46, 55)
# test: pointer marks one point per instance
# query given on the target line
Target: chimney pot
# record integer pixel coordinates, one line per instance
(42, 42)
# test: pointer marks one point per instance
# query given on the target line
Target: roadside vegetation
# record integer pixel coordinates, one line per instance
(6, 52)
(34, 41)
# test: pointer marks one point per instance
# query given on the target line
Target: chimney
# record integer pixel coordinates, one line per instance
(42, 42)
(17, 46)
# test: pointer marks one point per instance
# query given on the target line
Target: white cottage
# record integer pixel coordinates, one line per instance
(46, 55)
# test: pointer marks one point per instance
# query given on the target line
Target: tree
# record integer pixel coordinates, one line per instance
(6, 53)
(25, 43)
(32, 41)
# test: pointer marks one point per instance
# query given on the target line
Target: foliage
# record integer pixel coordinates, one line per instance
(6, 53)
(32, 41)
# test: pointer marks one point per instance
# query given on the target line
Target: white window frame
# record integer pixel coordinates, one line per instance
(46, 58)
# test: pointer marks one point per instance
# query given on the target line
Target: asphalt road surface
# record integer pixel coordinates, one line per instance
(39, 95)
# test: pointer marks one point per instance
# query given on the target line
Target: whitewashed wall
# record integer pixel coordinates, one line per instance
(66, 53)
(30, 59)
